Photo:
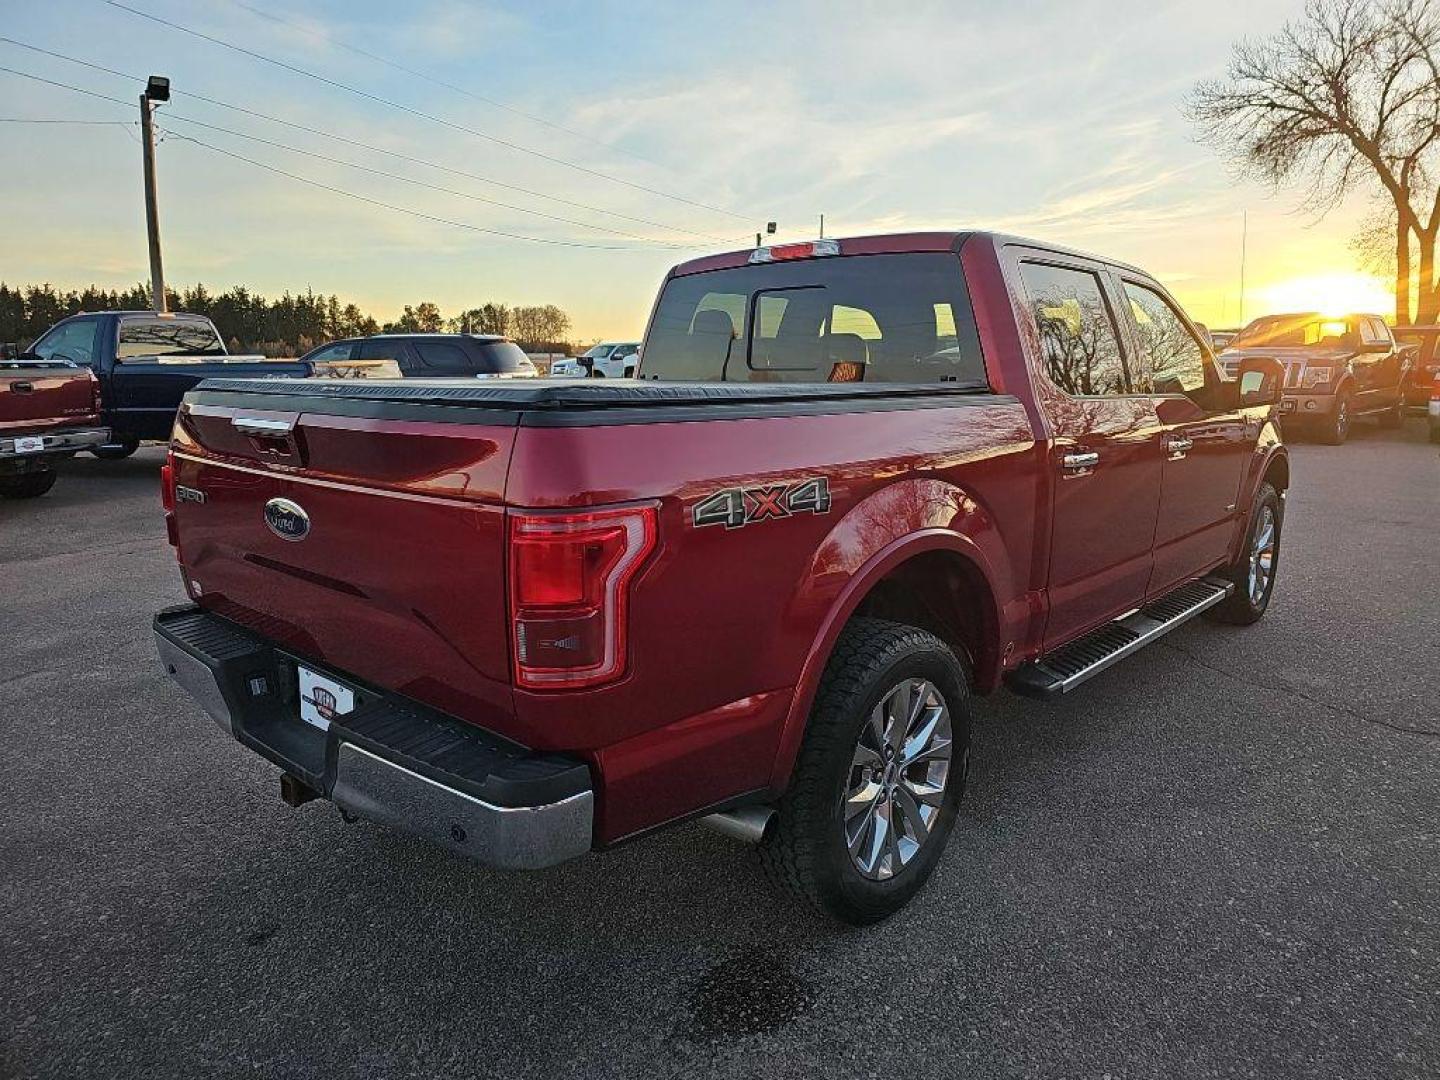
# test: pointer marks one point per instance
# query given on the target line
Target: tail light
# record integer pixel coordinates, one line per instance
(1435, 385)
(570, 577)
(167, 497)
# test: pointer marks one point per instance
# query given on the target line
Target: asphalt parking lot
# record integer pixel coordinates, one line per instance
(1221, 858)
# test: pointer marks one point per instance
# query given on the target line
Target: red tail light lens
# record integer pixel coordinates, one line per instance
(167, 498)
(570, 580)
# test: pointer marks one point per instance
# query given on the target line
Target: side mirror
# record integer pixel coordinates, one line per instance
(1261, 382)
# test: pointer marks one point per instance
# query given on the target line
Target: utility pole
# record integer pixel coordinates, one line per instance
(156, 90)
(822, 226)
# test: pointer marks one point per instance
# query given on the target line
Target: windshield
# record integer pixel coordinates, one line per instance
(601, 351)
(868, 318)
(502, 357)
(1292, 331)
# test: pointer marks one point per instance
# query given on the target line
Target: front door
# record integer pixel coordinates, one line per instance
(1207, 440)
(1105, 448)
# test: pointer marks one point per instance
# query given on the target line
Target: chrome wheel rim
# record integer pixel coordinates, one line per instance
(897, 778)
(1262, 554)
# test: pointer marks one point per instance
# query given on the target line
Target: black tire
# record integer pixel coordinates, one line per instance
(118, 452)
(1241, 607)
(804, 851)
(629, 372)
(1394, 416)
(28, 485)
(1336, 428)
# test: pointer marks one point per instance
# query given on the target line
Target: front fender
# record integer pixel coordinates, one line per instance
(895, 524)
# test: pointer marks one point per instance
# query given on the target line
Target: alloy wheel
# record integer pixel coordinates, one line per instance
(1262, 554)
(897, 778)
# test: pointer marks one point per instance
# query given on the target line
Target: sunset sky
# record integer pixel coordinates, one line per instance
(1055, 120)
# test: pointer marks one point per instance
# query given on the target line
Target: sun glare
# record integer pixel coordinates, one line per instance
(1329, 294)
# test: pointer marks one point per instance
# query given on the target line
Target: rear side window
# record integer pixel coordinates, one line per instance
(1171, 361)
(443, 358)
(73, 341)
(871, 318)
(167, 337)
(1078, 343)
(1373, 332)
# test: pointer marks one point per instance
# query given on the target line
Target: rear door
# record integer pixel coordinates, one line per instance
(1206, 442)
(1105, 445)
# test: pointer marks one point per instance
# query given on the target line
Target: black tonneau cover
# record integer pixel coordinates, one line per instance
(542, 402)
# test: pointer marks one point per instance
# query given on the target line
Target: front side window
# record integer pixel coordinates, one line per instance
(73, 340)
(1171, 360)
(872, 318)
(1078, 343)
(167, 337)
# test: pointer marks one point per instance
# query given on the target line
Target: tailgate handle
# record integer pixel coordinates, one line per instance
(262, 426)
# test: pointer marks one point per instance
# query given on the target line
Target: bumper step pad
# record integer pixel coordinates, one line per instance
(1070, 665)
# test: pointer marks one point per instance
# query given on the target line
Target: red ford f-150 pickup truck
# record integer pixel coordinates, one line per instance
(855, 483)
(48, 412)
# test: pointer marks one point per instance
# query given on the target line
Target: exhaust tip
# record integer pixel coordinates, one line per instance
(745, 823)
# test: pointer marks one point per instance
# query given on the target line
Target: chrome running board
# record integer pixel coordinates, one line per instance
(1070, 665)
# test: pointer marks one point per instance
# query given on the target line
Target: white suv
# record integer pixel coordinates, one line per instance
(608, 360)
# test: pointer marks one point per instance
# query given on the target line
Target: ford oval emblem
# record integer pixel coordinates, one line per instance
(287, 519)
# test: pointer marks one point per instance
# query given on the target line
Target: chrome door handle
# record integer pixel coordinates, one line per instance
(259, 425)
(1080, 463)
(1178, 448)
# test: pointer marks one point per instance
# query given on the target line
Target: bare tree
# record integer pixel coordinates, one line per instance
(1345, 99)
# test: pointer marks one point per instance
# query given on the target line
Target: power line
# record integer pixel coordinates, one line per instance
(34, 120)
(421, 113)
(397, 155)
(417, 183)
(494, 103)
(331, 188)
(399, 209)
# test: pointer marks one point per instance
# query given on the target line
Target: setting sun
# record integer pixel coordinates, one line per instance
(1329, 294)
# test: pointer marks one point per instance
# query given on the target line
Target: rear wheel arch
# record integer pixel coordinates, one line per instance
(1277, 473)
(936, 580)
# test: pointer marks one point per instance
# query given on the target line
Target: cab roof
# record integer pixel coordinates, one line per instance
(896, 244)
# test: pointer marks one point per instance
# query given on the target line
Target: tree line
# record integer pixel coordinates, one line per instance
(284, 326)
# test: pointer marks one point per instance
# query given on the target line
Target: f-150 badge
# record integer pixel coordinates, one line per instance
(738, 506)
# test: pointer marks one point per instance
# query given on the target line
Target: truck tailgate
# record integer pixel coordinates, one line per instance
(38, 397)
(323, 532)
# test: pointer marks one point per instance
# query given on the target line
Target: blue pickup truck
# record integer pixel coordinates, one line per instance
(146, 362)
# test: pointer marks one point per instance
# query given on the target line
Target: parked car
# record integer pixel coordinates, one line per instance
(608, 360)
(759, 585)
(49, 410)
(1426, 366)
(1435, 409)
(1336, 369)
(425, 356)
(145, 362)
(1219, 339)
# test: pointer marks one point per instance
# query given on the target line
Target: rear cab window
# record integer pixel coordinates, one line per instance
(147, 336)
(903, 318)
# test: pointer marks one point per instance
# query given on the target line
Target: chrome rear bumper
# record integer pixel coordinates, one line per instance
(491, 800)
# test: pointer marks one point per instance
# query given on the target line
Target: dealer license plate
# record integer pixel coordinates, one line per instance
(323, 699)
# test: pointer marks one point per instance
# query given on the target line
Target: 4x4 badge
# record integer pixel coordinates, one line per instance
(735, 507)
